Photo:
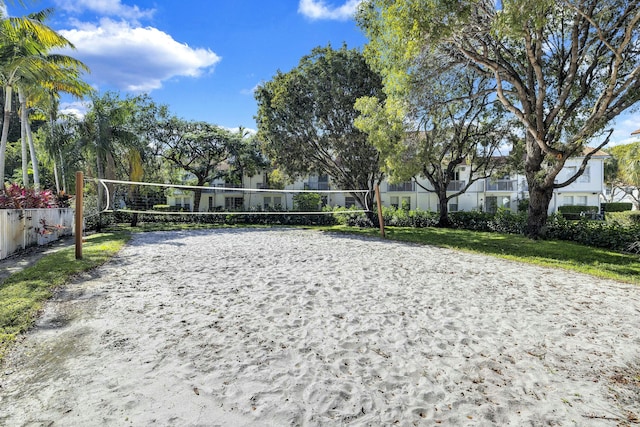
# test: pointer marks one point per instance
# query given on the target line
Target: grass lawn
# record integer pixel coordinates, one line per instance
(549, 253)
(22, 293)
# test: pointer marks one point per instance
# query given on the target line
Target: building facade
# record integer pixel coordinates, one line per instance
(486, 194)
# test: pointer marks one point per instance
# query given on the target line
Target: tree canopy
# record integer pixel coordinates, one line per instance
(563, 68)
(306, 119)
(444, 119)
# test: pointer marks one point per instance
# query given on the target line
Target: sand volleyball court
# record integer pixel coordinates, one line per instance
(283, 327)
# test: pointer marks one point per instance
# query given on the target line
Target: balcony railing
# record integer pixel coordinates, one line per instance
(403, 186)
(226, 187)
(319, 186)
(456, 185)
(502, 185)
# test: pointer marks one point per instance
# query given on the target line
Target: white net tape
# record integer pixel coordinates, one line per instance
(177, 199)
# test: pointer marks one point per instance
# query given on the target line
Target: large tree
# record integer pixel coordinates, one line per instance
(442, 119)
(198, 148)
(306, 119)
(244, 156)
(563, 68)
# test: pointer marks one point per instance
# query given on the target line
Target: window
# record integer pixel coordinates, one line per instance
(453, 205)
(210, 204)
(395, 201)
(277, 202)
(570, 171)
(581, 200)
(586, 175)
(349, 202)
(406, 203)
(231, 203)
(491, 204)
(567, 200)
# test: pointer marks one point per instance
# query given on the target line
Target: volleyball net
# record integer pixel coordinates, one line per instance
(221, 203)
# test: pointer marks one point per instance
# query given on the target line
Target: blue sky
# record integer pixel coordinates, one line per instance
(203, 58)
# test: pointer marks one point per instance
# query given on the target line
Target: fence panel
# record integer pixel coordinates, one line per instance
(20, 229)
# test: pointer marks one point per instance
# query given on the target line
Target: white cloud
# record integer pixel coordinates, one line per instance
(113, 8)
(250, 91)
(317, 9)
(77, 108)
(135, 58)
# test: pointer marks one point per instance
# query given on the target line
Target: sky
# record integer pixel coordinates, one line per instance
(204, 58)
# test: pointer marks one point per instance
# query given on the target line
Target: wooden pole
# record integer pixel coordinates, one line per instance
(379, 203)
(78, 217)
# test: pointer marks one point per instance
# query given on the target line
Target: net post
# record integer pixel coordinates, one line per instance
(78, 216)
(379, 203)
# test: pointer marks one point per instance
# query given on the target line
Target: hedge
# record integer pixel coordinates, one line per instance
(617, 206)
(578, 209)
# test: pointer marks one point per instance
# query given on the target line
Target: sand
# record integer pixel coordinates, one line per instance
(291, 327)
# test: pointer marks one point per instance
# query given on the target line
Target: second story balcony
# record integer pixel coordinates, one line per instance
(226, 187)
(456, 185)
(505, 185)
(320, 186)
(402, 186)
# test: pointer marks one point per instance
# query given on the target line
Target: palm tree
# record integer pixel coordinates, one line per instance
(63, 76)
(24, 60)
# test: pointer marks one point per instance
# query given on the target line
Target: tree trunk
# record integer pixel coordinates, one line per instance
(55, 176)
(5, 131)
(443, 210)
(197, 196)
(25, 156)
(24, 119)
(64, 176)
(34, 158)
(539, 199)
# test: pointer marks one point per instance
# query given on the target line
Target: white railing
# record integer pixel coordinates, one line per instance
(20, 229)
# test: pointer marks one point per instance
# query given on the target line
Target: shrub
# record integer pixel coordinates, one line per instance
(16, 197)
(617, 207)
(593, 233)
(577, 209)
(627, 218)
(307, 202)
(473, 220)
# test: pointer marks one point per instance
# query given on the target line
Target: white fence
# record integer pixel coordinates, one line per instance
(20, 229)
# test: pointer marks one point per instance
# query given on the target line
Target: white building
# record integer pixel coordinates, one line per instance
(486, 194)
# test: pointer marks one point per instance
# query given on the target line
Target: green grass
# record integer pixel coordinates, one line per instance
(549, 253)
(22, 293)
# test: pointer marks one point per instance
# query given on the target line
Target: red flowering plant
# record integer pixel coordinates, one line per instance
(14, 196)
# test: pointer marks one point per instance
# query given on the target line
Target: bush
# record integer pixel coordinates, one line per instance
(403, 218)
(347, 216)
(572, 209)
(473, 220)
(616, 207)
(307, 202)
(627, 218)
(593, 233)
(16, 197)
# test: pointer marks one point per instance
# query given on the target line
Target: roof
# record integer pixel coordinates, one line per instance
(599, 153)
